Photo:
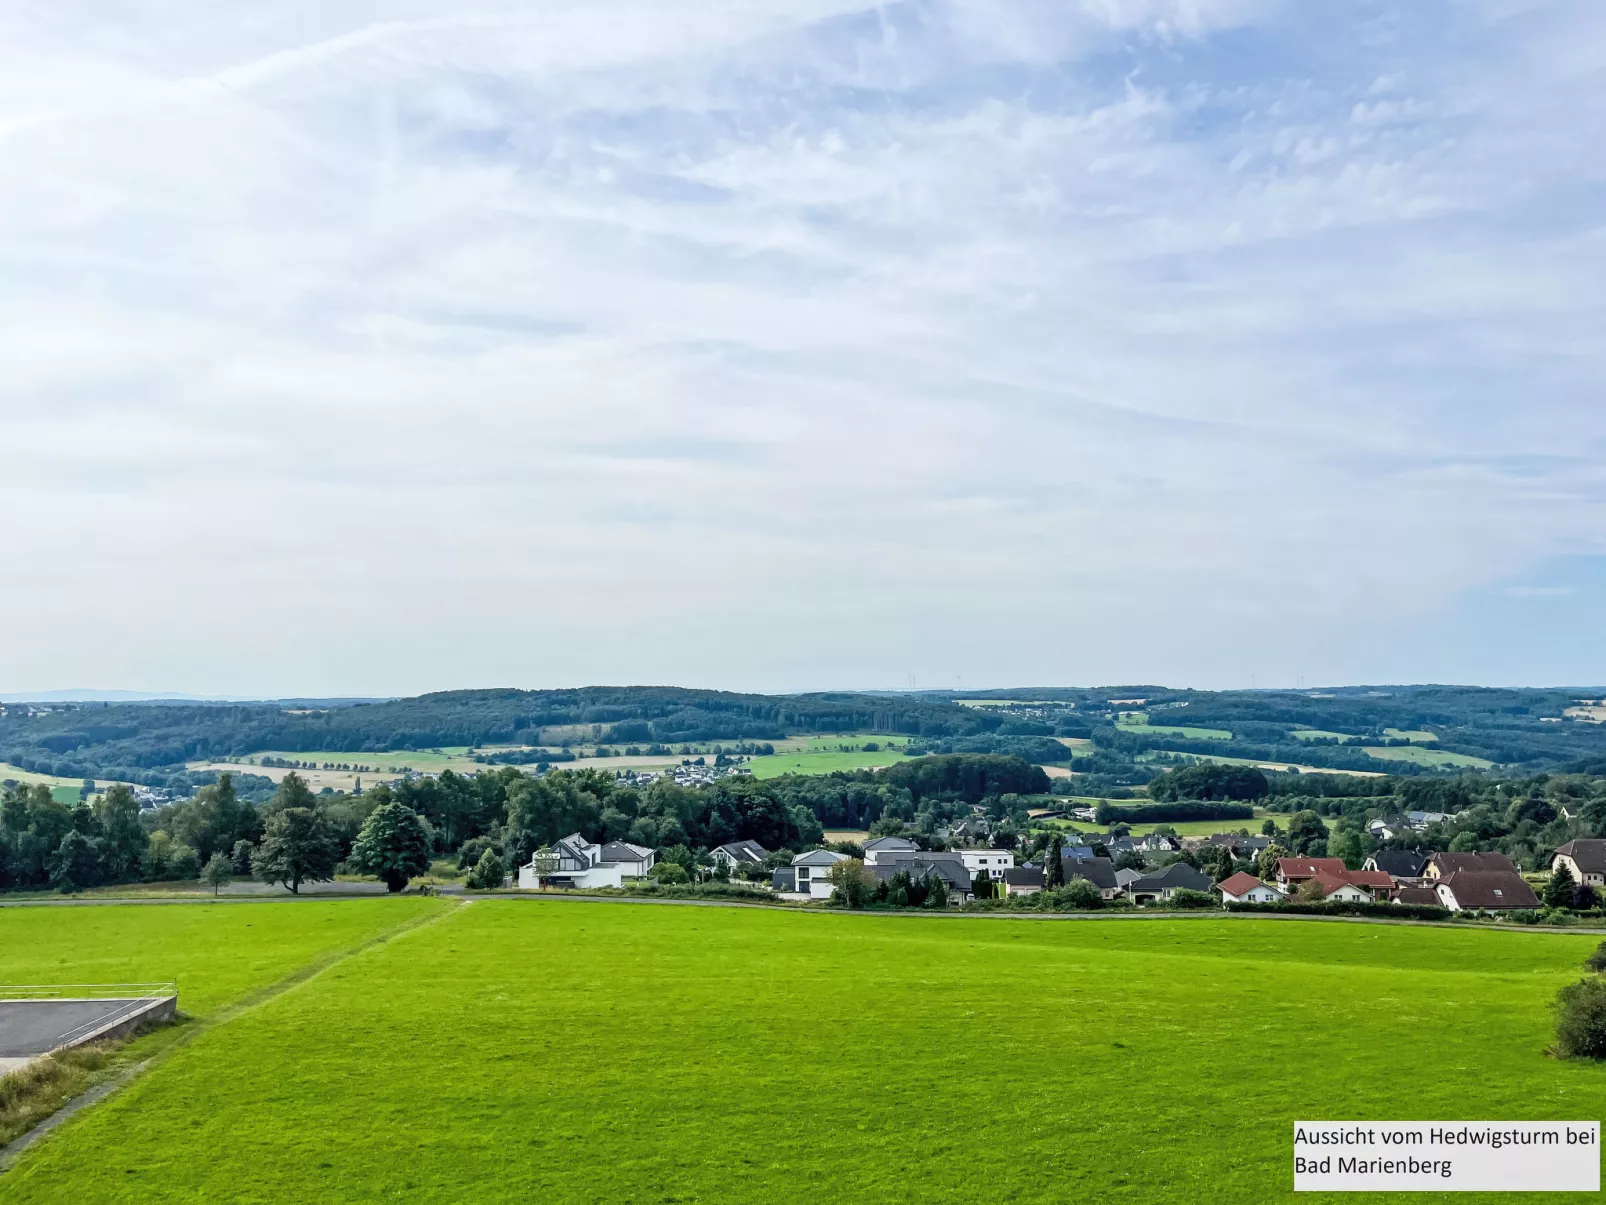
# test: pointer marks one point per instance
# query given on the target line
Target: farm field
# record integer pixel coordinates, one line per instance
(62, 790)
(1416, 735)
(1184, 828)
(1183, 730)
(421, 1069)
(822, 762)
(1195, 758)
(1437, 758)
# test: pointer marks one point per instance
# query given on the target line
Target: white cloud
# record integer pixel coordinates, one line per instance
(781, 342)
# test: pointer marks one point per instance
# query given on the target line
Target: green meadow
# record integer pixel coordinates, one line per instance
(1436, 758)
(567, 1051)
(827, 754)
(1183, 730)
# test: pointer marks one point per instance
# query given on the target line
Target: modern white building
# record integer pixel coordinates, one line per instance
(880, 850)
(990, 863)
(576, 863)
(813, 871)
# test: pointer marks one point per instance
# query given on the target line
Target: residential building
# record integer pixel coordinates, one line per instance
(1157, 843)
(1378, 884)
(635, 861)
(989, 862)
(1245, 888)
(878, 848)
(784, 880)
(1242, 847)
(1442, 865)
(1126, 876)
(1490, 890)
(813, 872)
(1341, 889)
(1163, 884)
(1425, 896)
(1023, 880)
(1291, 872)
(1098, 871)
(1584, 858)
(575, 863)
(737, 854)
(1404, 866)
(950, 868)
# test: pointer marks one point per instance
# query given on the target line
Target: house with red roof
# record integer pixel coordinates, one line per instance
(1291, 872)
(1336, 887)
(1245, 888)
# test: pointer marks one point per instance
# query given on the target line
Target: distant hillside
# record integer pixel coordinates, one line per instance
(143, 741)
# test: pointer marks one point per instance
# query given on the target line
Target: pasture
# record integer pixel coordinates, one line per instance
(1139, 723)
(565, 1051)
(1436, 758)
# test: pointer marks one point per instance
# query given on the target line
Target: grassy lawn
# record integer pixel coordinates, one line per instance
(1184, 828)
(218, 953)
(1195, 758)
(569, 1052)
(1425, 757)
(1416, 735)
(1317, 734)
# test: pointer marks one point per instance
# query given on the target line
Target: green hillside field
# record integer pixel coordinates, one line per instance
(568, 1051)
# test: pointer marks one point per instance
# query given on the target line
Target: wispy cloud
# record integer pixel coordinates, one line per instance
(788, 342)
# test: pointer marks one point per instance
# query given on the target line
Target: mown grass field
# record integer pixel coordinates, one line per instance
(1183, 730)
(217, 952)
(1437, 758)
(587, 1052)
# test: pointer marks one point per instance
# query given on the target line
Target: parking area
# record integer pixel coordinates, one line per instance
(30, 1028)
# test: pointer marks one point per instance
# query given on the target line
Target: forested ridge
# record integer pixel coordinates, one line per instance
(1528, 730)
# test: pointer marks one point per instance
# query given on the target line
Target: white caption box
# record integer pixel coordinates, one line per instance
(1447, 1156)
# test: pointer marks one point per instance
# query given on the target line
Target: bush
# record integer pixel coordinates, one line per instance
(489, 873)
(670, 872)
(1182, 897)
(1081, 894)
(1597, 961)
(1581, 1020)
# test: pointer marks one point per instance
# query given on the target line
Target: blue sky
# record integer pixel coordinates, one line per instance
(788, 344)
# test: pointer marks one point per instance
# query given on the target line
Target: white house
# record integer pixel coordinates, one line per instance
(881, 850)
(989, 862)
(739, 853)
(577, 863)
(813, 871)
(1585, 860)
(635, 861)
(1244, 888)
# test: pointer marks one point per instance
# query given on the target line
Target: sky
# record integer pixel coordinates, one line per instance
(361, 349)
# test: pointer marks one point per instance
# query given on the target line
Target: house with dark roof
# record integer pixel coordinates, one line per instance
(1442, 865)
(1486, 890)
(1245, 888)
(637, 861)
(1126, 876)
(813, 872)
(950, 868)
(1023, 880)
(784, 880)
(1157, 843)
(1241, 846)
(1404, 866)
(572, 862)
(1098, 871)
(878, 848)
(1584, 858)
(1422, 896)
(1163, 884)
(737, 854)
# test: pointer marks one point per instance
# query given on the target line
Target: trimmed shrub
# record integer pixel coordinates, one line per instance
(1597, 961)
(1581, 1020)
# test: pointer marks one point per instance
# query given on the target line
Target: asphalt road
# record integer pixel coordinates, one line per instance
(30, 1027)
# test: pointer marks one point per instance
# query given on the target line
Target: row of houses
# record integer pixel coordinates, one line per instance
(1457, 881)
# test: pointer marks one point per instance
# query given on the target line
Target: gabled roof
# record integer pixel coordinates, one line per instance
(819, 857)
(889, 844)
(1098, 871)
(1372, 880)
(947, 867)
(1400, 863)
(1491, 889)
(745, 851)
(1126, 876)
(1588, 852)
(623, 851)
(1178, 874)
(1240, 883)
(1332, 882)
(1478, 863)
(1418, 895)
(1024, 876)
(1308, 868)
